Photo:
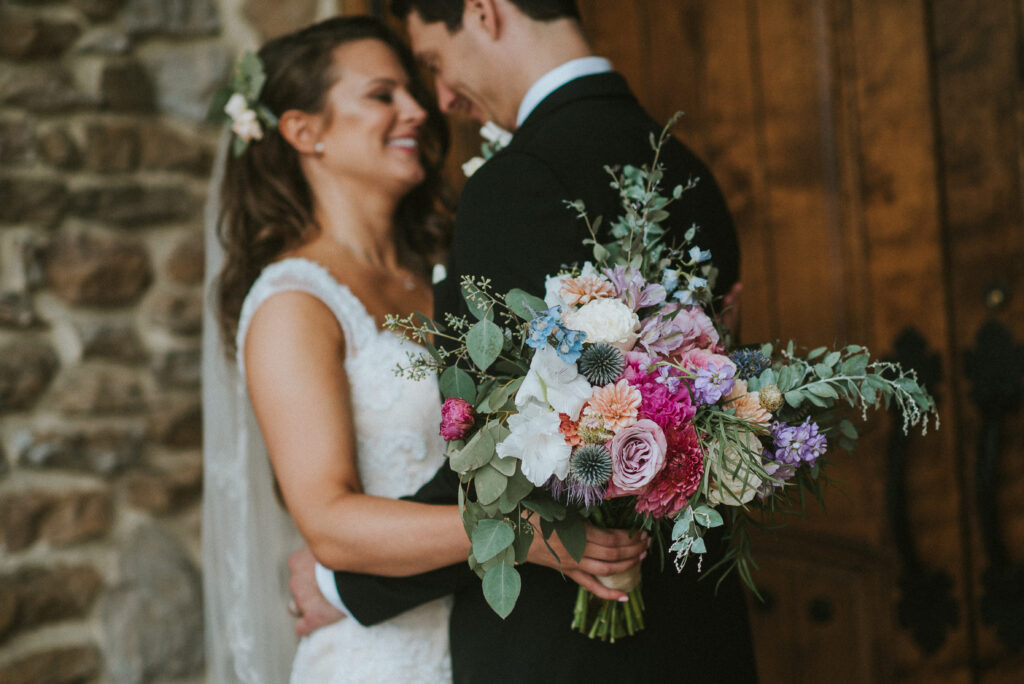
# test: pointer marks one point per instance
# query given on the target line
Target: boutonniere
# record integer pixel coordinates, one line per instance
(495, 138)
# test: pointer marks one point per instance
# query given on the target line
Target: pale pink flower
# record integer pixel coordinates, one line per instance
(617, 404)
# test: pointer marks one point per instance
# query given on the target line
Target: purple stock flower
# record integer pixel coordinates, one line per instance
(713, 382)
(798, 443)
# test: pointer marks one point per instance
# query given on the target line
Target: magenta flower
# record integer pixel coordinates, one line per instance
(457, 417)
(638, 455)
(670, 491)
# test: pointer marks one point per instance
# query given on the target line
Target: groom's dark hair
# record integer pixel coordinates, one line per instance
(450, 11)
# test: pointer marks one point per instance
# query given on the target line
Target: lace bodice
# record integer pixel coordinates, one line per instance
(398, 450)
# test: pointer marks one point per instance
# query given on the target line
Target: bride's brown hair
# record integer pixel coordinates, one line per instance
(266, 203)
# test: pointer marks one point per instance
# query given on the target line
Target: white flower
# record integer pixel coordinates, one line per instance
(236, 106)
(555, 383)
(538, 443)
(494, 133)
(247, 127)
(553, 286)
(607, 321)
(735, 482)
(471, 166)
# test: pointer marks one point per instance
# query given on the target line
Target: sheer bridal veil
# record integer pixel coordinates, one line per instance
(247, 535)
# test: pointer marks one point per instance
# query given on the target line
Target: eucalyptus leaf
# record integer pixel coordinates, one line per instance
(524, 304)
(698, 546)
(523, 542)
(501, 588)
(491, 537)
(794, 398)
(505, 466)
(455, 382)
(478, 451)
(823, 370)
(821, 389)
(489, 484)
(572, 531)
(813, 354)
(484, 341)
(832, 358)
(855, 365)
(517, 488)
(547, 508)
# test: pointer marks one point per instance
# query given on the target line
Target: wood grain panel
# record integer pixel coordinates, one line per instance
(977, 45)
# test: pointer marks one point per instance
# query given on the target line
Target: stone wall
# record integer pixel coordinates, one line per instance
(103, 173)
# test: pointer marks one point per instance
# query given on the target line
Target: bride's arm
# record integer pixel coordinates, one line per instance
(294, 353)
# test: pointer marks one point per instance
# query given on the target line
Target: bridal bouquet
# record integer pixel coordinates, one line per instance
(617, 399)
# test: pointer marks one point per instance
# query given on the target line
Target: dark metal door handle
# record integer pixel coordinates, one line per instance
(926, 605)
(995, 368)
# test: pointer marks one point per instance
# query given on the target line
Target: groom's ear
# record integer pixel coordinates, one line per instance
(301, 130)
(482, 15)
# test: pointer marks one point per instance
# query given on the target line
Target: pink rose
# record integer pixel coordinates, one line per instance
(457, 417)
(696, 328)
(700, 358)
(638, 454)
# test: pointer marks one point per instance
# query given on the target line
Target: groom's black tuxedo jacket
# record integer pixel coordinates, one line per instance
(513, 227)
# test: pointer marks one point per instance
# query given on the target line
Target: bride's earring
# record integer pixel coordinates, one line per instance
(318, 148)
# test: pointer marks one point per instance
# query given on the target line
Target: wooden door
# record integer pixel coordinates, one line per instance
(872, 153)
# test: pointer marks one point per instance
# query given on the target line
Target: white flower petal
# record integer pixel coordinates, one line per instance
(535, 439)
(236, 105)
(555, 383)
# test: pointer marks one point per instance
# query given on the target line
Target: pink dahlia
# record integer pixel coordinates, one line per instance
(457, 417)
(617, 404)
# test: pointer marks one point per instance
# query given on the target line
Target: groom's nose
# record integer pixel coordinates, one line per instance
(450, 101)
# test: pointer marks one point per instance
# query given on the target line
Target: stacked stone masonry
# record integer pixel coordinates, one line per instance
(104, 166)
(104, 170)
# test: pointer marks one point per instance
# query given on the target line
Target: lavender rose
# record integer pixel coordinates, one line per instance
(638, 454)
(457, 417)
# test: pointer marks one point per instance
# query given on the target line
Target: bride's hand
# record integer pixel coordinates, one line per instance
(308, 606)
(607, 552)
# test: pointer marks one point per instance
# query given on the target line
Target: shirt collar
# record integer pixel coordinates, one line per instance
(556, 78)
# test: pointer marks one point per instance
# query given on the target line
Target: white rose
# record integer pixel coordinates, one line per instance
(734, 482)
(236, 106)
(535, 439)
(555, 383)
(247, 127)
(607, 321)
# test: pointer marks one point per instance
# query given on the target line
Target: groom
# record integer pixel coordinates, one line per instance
(526, 65)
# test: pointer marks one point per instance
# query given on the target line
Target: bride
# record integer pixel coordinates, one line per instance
(328, 224)
(329, 221)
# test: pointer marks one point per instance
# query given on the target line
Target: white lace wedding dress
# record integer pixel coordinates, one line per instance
(399, 449)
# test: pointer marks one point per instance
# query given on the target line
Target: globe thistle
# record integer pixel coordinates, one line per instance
(590, 468)
(770, 397)
(749, 363)
(600, 364)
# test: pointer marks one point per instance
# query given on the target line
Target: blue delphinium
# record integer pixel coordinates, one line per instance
(542, 326)
(570, 343)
